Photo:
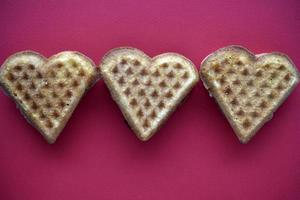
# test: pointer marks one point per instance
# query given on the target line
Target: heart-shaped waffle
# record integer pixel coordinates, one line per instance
(248, 87)
(146, 89)
(47, 90)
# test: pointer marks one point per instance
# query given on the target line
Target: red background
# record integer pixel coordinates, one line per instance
(196, 154)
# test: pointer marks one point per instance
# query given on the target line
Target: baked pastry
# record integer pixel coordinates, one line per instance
(248, 88)
(146, 89)
(47, 90)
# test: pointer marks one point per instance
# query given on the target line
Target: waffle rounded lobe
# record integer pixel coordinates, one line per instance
(146, 89)
(248, 88)
(47, 90)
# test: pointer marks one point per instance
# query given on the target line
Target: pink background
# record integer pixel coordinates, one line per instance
(196, 154)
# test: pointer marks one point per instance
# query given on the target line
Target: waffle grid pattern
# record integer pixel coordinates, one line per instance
(148, 90)
(47, 95)
(249, 90)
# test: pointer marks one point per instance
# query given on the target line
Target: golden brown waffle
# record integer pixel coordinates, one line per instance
(146, 89)
(47, 90)
(248, 87)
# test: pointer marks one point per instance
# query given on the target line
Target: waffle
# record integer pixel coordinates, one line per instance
(146, 89)
(248, 87)
(47, 90)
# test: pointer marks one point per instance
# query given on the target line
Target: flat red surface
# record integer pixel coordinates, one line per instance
(196, 154)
